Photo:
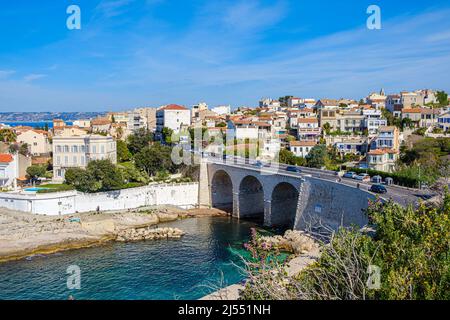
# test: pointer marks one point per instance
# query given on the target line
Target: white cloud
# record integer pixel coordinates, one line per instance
(33, 77)
(4, 74)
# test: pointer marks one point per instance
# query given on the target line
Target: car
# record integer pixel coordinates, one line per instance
(349, 174)
(258, 164)
(362, 177)
(378, 188)
(293, 169)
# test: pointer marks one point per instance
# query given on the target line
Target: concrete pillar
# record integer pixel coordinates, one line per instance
(268, 212)
(204, 189)
(236, 213)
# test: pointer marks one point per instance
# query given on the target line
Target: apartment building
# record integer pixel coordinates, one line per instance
(373, 120)
(349, 144)
(326, 104)
(382, 159)
(78, 151)
(37, 140)
(423, 117)
(388, 137)
(394, 103)
(173, 117)
(384, 151)
(444, 121)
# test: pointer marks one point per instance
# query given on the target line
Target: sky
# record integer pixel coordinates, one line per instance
(131, 53)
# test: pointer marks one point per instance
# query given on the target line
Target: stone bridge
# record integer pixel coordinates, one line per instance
(281, 198)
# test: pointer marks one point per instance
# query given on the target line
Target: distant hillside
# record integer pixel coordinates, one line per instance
(47, 116)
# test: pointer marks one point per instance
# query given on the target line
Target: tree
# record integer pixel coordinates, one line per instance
(287, 157)
(154, 158)
(139, 140)
(327, 127)
(8, 135)
(106, 173)
(167, 135)
(72, 175)
(36, 171)
(317, 157)
(123, 153)
(442, 98)
(99, 175)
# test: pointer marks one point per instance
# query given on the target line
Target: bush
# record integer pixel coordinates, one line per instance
(410, 248)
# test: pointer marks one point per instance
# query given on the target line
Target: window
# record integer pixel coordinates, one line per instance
(94, 149)
(58, 160)
(66, 160)
(66, 148)
(58, 148)
(75, 149)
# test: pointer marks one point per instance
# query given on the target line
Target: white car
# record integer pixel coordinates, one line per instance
(362, 177)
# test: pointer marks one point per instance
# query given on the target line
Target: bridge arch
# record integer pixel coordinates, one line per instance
(284, 205)
(222, 191)
(251, 198)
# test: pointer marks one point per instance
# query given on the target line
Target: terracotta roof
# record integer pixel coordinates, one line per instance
(6, 158)
(304, 143)
(382, 151)
(100, 121)
(414, 110)
(173, 107)
(307, 120)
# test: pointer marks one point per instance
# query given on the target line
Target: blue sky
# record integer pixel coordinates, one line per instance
(150, 52)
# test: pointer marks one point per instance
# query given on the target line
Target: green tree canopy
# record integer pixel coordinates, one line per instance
(36, 171)
(318, 156)
(139, 140)
(123, 153)
(155, 158)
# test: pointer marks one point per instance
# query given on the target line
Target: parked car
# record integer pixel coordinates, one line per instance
(258, 164)
(293, 169)
(362, 177)
(349, 174)
(378, 188)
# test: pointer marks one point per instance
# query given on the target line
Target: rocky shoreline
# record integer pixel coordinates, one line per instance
(139, 234)
(24, 234)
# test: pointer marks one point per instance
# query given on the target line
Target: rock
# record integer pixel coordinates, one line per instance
(149, 234)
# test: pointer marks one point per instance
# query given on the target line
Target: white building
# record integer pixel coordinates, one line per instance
(37, 141)
(373, 120)
(173, 117)
(301, 148)
(222, 110)
(9, 170)
(78, 151)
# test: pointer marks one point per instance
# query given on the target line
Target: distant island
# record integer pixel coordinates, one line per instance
(47, 116)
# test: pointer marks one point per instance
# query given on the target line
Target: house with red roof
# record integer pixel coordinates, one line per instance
(9, 170)
(172, 116)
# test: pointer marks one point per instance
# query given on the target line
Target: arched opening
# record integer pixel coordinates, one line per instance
(222, 191)
(284, 205)
(251, 199)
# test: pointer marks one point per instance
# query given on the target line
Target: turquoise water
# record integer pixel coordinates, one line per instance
(35, 189)
(170, 269)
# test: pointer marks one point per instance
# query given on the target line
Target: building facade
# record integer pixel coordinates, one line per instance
(78, 151)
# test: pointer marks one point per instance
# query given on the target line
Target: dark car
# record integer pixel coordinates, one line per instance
(378, 188)
(293, 169)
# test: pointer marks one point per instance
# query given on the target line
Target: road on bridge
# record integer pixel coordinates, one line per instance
(401, 195)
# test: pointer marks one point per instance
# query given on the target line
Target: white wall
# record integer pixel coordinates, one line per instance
(182, 195)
